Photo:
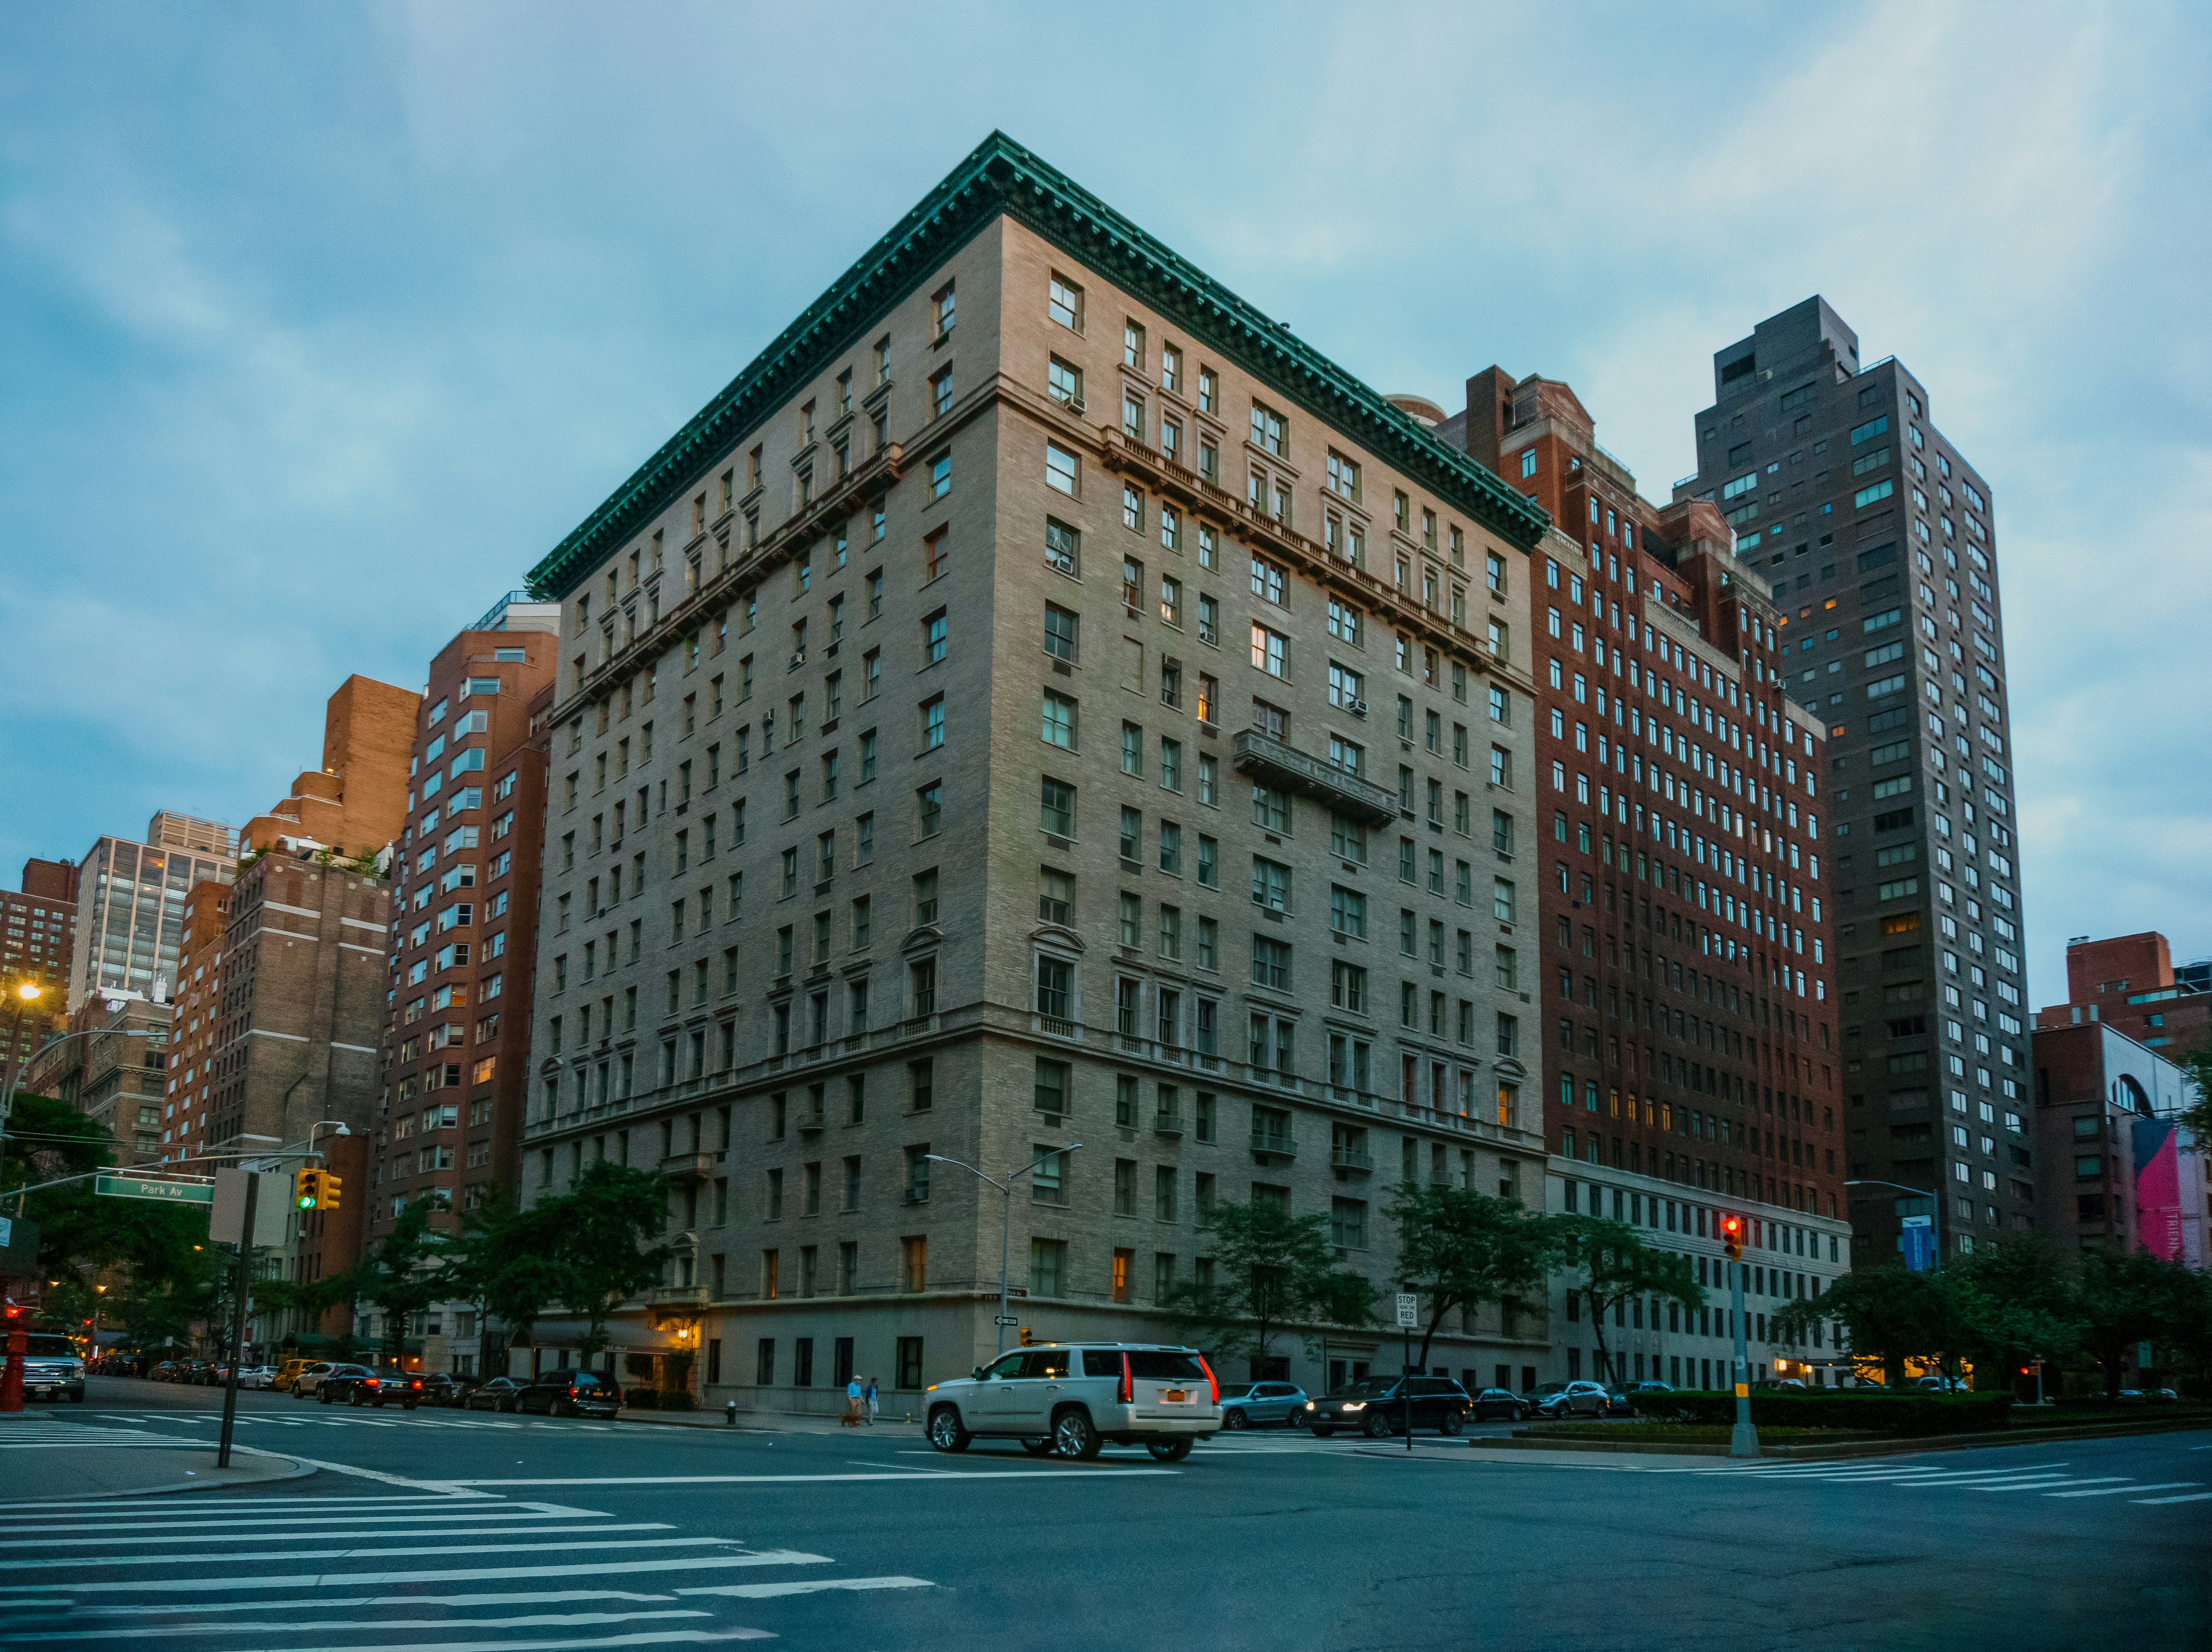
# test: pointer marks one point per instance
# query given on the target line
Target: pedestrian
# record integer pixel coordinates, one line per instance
(853, 1404)
(871, 1402)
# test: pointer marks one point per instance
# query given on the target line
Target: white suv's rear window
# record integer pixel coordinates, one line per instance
(1150, 1365)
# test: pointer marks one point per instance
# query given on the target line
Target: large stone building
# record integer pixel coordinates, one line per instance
(1876, 539)
(1041, 701)
(2118, 1170)
(1688, 1027)
(356, 802)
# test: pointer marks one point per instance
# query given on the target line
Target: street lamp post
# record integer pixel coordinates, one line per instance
(1935, 1203)
(1006, 1222)
(26, 994)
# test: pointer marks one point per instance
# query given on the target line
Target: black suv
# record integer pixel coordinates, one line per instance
(1376, 1407)
(570, 1394)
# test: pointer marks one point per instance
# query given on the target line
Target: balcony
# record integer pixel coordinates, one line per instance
(1351, 1158)
(677, 1296)
(1280, 763)
(1168, 1121)
(688, 1167)
(810, 1120)
(1277, 1143)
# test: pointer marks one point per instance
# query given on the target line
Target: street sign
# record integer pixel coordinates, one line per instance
(176, 1192)
(272, 1218)
(1002, 1319)
(1918, 1242)
(1409, 1309)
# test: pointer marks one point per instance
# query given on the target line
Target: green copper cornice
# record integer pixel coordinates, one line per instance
(1000, 176)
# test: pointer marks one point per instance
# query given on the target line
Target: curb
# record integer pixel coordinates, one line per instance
(1852, 1448)
(300, 1472)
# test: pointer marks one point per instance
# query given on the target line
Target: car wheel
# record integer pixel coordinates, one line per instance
(379, 1402)
(78, 1397)
(506, 1407)
(1323, 1433)
(1453, 1425)
(945, 1433)
(1234, 1419)
(1040, 1447)
(322, 1391)
(1521, 1413)
(1074, 1436)
(1377, 1426)
(410, 1404)
(1169, 1451)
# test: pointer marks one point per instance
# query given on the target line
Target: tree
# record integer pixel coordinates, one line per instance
(401, 1275)
(2016, 1303)
(2130, 1298)
(507, 1260)
(1272, 1270)
(1615, 1264)
(1887, 1313)
(604, 1222)
(1458, 1249)
(2196, 1073)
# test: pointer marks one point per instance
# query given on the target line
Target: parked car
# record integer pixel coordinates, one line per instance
(1376, 1407)
(1928, 1385)
(304, 1380)
(1072, 1398)
(402, 1388)
(442, 1389)
(570, 1394)
(164, 1372)
(336, 1383)
(52, 1368)
(1493, 1403)
(496, 1394)
(291, 1368)
(1262, 1402)
(257, 1377)
(1578, 1399)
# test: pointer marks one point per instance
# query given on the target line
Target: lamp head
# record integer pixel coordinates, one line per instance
(29, 990)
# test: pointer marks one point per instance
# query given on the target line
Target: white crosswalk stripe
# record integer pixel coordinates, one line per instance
(2045, 1480)
(476, 1573)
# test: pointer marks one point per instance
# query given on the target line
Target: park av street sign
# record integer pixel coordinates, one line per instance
(174, 1192)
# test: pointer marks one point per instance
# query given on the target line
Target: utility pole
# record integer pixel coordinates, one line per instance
(238, 1321)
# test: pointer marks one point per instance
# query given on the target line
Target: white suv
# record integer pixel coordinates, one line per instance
(1073, 1397)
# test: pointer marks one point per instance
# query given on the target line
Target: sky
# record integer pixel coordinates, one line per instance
(320, 324)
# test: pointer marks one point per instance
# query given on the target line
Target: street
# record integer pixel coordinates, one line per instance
(441, 1529)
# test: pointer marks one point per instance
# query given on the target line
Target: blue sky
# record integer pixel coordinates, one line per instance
(321, 324)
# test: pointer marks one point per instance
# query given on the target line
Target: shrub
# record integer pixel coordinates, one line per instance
(1838, 1408)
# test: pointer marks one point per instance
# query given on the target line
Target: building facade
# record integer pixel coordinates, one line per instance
(455, 1029)
(38, 930)
(1689, 1060)
(1876, 539)
(1042, 702)
(2128, 983)
(131, 904)
(298, 1005)
(356, 802)
(190, 1088)
(2118, 1171)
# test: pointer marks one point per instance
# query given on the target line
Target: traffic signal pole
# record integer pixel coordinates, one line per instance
(238, 1324)
(1743, 1442)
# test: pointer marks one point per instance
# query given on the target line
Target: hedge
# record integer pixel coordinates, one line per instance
(658, 1399)
(1838, 1408)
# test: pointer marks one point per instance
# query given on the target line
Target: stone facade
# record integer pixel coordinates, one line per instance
(987, 745)
(2117, 1171)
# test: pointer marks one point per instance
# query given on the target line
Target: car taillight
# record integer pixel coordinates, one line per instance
(1211, 1381)
(1129, 1391)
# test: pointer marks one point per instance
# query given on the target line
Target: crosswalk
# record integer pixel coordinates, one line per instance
(2052, 1479)
(474, 1572)
(33, 1434)
(349, 1417)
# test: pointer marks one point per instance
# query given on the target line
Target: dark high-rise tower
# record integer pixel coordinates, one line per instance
(1876, 539)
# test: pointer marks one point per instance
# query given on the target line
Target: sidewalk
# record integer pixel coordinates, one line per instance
(42, 1458)
(774, 1422)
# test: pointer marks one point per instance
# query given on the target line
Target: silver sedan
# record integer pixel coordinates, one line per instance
(1261, 1402)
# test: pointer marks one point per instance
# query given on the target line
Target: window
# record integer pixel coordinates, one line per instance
(1271, 651)
(1063, 381)
(1060, 469)
(1060, 713)
(1064, 303)
(1343, 475)
(1133, 345)
(1059, 808)
(1267, 428)
(933, 723)
(1271, 884)
(1347, 912)
(1270, 963)
(929, 810)
(935, 553)
(1059, 632)
(933, 638)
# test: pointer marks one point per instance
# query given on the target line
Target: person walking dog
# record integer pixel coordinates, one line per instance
(854, 1411)
(871, 1401)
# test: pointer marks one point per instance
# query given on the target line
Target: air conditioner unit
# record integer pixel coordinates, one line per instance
(917, 1196)
(1359, 708)
(1075, 406)
(800, 658)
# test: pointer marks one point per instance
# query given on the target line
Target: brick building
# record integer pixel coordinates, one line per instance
(1875, 539)
(2128, 983)
(1086, 723)
(1688, 1024)
(190, 1086)
(356, 802)
(50, 880)
(38, 930)
(298, 1005)
(455, 1038)
(2117, 1169)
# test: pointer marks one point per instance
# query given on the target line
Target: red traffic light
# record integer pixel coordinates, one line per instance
(1732, 1236)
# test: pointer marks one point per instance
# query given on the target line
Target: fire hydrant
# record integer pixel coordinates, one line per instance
(729, 1413)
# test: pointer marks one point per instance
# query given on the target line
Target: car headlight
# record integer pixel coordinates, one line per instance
(1355, 1405)
(1309, 1405)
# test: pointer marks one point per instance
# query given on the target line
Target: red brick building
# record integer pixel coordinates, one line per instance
(38, 927)
(2128, 983)
(199, 977)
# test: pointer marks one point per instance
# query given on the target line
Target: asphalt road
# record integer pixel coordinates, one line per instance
(442, 1531)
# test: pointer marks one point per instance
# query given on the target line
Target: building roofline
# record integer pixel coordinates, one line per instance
(1001, 177)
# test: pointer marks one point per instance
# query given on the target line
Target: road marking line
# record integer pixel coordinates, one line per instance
(673, 1638)
(266, 1516)
(355, 1554)
(2194, 1496)
(2045, 1482)
(771, 1591)
(546, 1619)
(2122, 1490)
(1007, 1473)
(311, 1580)
(144, 1541)
(538, 1597)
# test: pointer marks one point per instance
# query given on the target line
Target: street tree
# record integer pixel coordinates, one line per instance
(1611, 1265)
(1272, 1270)
(2017, 1302)
(2127, 1297)
(1458, 1249)
(1887, 1313)
(401, 1275)
(607, 1224)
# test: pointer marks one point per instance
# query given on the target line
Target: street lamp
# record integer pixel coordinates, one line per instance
(1006, 1222)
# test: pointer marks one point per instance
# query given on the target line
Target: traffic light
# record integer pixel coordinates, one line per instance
(332, 1187)
(308, 1190)
(1025, 1336)
(1732, 1236)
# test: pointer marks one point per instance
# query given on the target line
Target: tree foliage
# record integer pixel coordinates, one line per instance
(1458, 1249)
(1608, 1264)
(1272, 1270)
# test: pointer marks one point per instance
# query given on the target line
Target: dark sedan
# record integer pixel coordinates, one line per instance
(1376, 1407)
(570, 1394)
(497, 1394)
(339, 1382)
(442, 1389)
(1494, 1403)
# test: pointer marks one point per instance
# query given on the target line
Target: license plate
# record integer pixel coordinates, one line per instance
(1174, 1397)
